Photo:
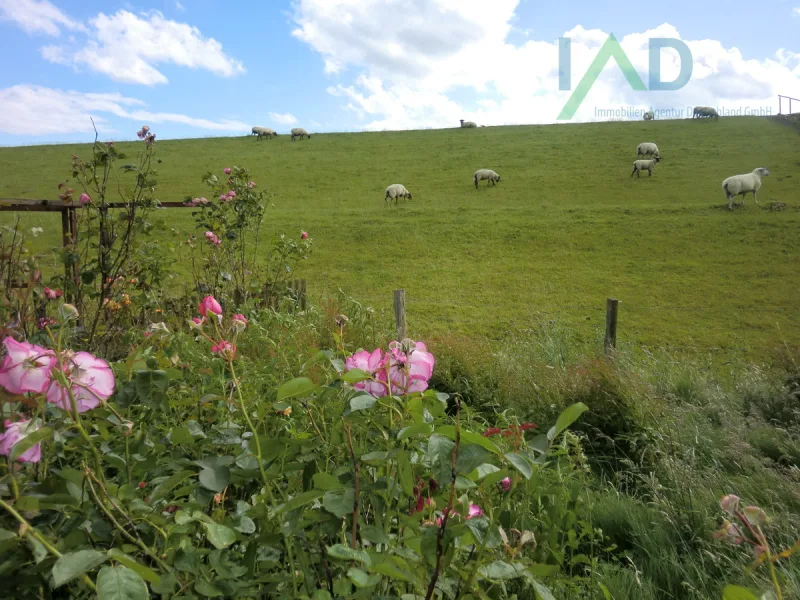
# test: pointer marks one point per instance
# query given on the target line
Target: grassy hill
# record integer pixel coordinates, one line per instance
(565, 228)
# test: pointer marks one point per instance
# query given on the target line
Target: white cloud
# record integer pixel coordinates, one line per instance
(127, 48)
(401, 64)
(796, 11)
(179, 6)
(283, 119)
(37, 110)
(37, 16)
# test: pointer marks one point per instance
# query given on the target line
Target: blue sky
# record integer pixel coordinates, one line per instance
(202, 67)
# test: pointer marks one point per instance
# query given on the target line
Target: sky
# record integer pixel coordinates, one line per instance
(198, 68)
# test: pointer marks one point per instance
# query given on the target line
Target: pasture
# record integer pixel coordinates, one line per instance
(564, 228)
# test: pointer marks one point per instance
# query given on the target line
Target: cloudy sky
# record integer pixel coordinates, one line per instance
(193, 68)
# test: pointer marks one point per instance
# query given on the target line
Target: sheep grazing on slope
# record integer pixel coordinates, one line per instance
(647, 149)
(396, 191)
(740, 185)
(467, 123)
(649, 115)
(704, 111)
(645, 165)
(482, 174)
(263, 132)
(299, 132)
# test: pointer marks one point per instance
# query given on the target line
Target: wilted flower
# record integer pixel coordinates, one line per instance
(474, 511)
(505, 484)
(451, 515)
(232, 194)
(730, 504)
(492, 431)
(201, 200)
(303, 235)
(341, 320)
(35, 231)
(126, 300)
(527, 426)
(251, 184)
(213, 239)
(239, 322)
(197, 322)
(113, 305)
(224, 349)
(85, 198)
(150, 138)
(51, 294)
(755, 515)
(26, 367)
(730, 532)
(68, 312)
(91, 381)
(16, 432)
(223, 198)
(227, 170)
(158, 328)
(46, 322)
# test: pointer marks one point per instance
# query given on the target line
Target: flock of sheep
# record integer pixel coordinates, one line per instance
(736, 185)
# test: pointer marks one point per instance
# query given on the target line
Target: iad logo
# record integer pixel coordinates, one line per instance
(612, 48)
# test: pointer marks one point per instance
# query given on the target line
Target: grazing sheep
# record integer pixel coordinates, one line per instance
(482, 174)
(299, 132)
(645, 165)
(704, 111)
(647, 149)
(395, 191)
(467, 123)
(740, 185)
(649, 115)
(263, 132)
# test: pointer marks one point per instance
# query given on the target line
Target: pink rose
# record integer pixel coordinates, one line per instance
(51, 294)
(208, 305)
(251, 184)
(505, 484)
(239, 322)
(408, 373)
(232, 194)
(224, 348)
(303, 235)
(85, 198)
(730, 504)
(474, 511)
(16, 432)
(227, 170)
(26, 367)
(91, 381)
(369, 363)
(223, 198)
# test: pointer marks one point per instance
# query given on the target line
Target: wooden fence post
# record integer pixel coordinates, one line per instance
(400, 313)
(610, 344)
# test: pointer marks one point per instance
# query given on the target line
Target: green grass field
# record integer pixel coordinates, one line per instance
(565, 228)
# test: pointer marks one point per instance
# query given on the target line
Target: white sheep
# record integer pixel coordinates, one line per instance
(299, 132)
(645, 165)
(467, 123)
(740, 185)
(704, 111)
(482, 174)
(395, 191)
(647, 149)
(649, 115)
(263, 132)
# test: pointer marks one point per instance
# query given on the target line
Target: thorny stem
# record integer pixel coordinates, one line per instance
(14, 486)
(28, 529)
(447, 511)
(348, 431)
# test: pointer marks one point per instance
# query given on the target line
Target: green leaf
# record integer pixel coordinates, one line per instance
(523, 466)
(363, 402)
(470, 457)
(440, 455)
(542, 570)
(151, 386)
(394, 571)
(321, 595)
(606, 593)
(215, 479)
(298, 501)
(566, 418)
(355, 376)
(326, 481)
(469, 437)
(219, 535)
(5, 534)
(374, 535)
(361, 579)
(405, 473)
(166, 486)
(339, 502)
(735, 592)
(499, 570)
(347, 553)
(180, 435)
(542, 593)
(483, 470)
(29, 441)
(74, 564)
(376, 457)
(207, 589)
(145, 573)
(421, 429)
(299, 387)
(120, 583)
